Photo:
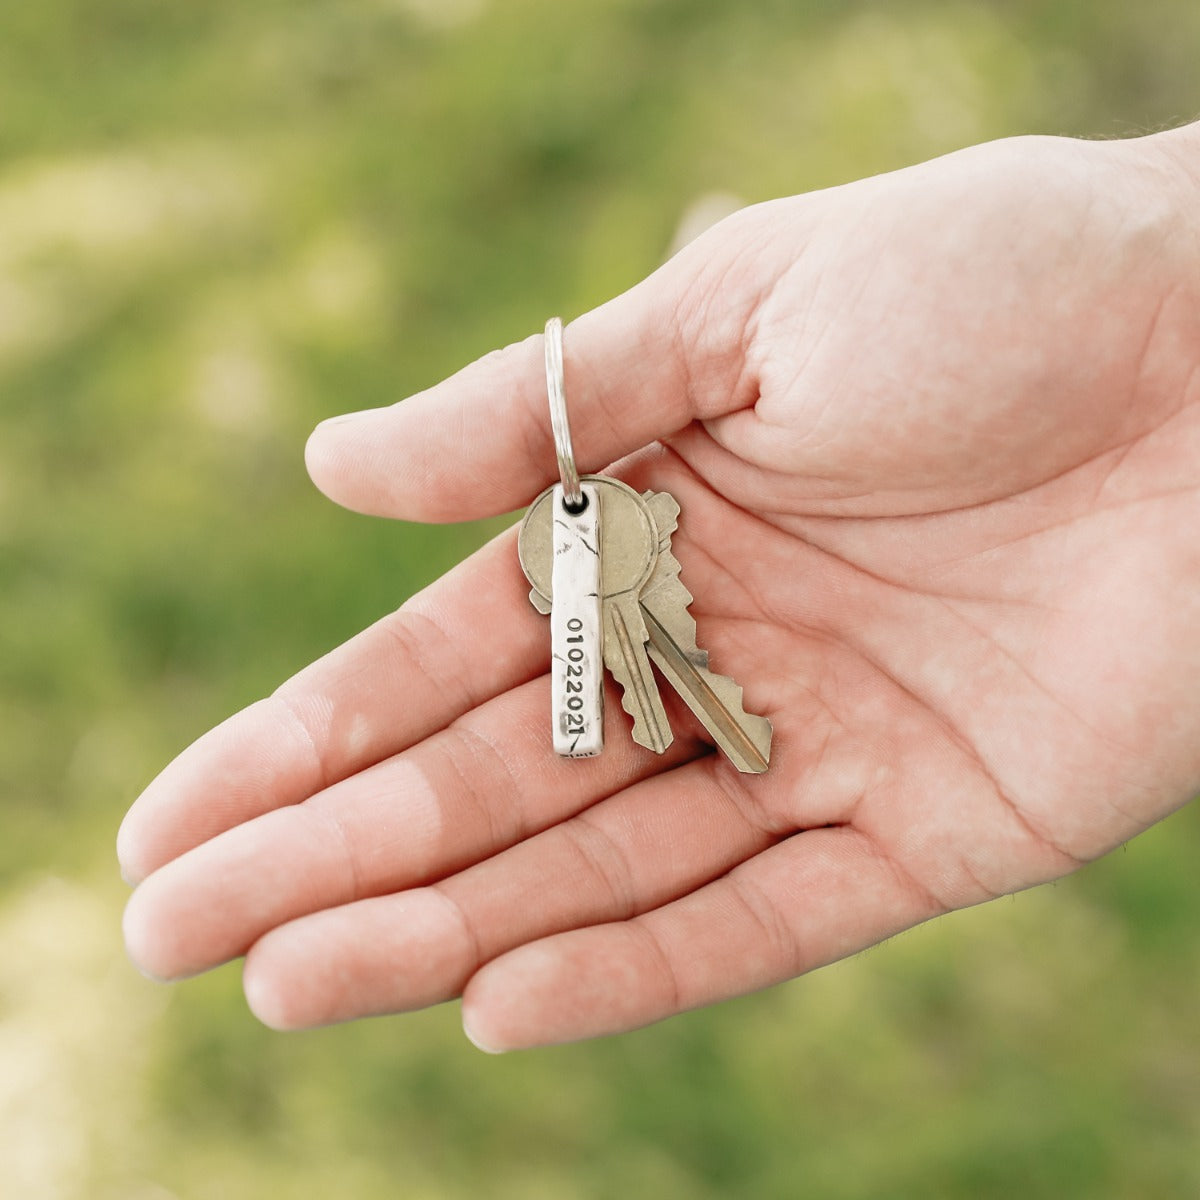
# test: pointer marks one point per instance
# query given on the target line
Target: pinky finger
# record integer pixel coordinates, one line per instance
(821, 895)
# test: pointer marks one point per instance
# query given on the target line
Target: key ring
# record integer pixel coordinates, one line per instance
(573, 498)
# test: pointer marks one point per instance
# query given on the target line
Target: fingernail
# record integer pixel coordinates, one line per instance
(124, 856)
(471, 1037)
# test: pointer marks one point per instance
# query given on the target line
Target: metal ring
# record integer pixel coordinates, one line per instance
(572, 495)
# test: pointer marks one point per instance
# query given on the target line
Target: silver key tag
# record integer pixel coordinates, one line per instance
(576, 645)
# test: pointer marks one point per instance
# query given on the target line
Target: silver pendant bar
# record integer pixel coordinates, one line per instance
(576, 643)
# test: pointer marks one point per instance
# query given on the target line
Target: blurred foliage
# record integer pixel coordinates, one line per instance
(220, 223)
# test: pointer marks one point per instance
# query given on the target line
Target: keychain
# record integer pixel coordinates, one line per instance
(598, 559)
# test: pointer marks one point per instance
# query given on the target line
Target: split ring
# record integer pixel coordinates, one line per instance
(572, 495)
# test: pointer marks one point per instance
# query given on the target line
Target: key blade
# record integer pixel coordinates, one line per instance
(625, 656)
(715, 699)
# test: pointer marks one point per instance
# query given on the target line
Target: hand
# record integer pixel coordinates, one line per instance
(936, 439)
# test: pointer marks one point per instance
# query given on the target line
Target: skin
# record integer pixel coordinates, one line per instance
(935, 437)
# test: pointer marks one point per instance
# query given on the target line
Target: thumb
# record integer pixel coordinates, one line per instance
(638, 368)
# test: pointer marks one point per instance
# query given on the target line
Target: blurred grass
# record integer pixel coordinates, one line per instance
(221, 223)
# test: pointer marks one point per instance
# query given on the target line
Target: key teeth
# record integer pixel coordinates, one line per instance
(758, 729)
(745, 738)
(664, 510)
(667, 593)
(640, 733)
(748, 720)
(623, 648)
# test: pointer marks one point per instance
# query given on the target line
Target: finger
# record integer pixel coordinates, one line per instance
(469, 636)
(636, 369)
(466, 792)
(637, 849)
(817, 897)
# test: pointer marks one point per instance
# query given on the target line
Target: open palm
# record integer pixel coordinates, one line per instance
(934, 439)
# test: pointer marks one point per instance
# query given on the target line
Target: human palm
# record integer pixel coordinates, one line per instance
(933, 436)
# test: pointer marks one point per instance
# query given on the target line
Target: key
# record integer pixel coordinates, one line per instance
(716, 700)
(628, 552)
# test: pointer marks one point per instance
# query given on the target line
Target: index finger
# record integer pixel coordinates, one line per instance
(469, 636)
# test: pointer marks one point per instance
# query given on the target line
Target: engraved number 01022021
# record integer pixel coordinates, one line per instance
(575, 721)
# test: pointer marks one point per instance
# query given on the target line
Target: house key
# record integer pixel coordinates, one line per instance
(716, 700)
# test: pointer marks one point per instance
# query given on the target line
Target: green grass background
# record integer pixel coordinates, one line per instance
(222, 222)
